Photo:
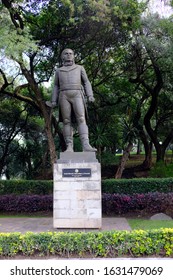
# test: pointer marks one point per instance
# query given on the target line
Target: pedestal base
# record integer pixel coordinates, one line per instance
(77, 191)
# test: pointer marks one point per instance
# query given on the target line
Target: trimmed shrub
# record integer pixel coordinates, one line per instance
(26, 187)
(131, 186)
(149, 203)
(121, 186)
(112, 204)
(26, 203)
(91, 244)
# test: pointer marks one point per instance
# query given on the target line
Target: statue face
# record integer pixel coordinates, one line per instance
(67, 56)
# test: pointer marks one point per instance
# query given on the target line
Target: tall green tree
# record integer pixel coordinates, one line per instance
(23, 144)
(12, 122)
(150, 61)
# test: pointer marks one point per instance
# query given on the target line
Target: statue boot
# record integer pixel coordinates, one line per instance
(83, 134)
(68, 137)
(69, 145)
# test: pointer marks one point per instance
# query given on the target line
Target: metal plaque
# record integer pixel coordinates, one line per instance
(76, 172)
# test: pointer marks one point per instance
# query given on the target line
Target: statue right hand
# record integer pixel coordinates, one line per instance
(53, 104)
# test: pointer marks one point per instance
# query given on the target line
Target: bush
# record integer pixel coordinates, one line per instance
(109, 159)
(26, 203)
(91, 244)
(144, 185)
(26, 187)
(121, 186)
(112, 204)
(149, 203)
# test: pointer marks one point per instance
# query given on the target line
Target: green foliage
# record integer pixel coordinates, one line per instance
(22, 140)
(161, 170)
(108, 158)
(149, 63)
(14, 42)
(9, 244)
(97, 30)
(26, 187)
(143, 185)
(101, 33)
(119, 186)
(95, 244)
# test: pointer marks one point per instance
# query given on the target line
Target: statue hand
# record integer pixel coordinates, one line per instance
(91, 99)
(53, 104)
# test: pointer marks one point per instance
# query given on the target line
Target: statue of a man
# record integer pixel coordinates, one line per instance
(71, 82)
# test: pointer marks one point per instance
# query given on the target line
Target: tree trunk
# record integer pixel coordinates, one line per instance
(138, 147)
(123, 161)
(50, 139)
(147, 163)
(160, 149)
(46, 115)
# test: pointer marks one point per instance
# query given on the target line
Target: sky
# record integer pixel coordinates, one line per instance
(161, 7)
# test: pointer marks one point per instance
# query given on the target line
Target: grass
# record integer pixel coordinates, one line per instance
(149, 224)
(135, 160)
(27, 215)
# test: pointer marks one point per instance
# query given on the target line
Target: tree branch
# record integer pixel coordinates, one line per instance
(14, 14)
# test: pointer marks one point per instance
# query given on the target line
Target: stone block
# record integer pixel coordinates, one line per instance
(69, 157)
(77, 198)
(77, 223)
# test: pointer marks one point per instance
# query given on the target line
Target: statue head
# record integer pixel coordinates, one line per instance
(67, 57)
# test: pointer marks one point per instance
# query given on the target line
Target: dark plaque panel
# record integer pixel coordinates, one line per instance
(76, 172)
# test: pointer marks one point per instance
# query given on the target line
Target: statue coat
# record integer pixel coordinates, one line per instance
(68, 78)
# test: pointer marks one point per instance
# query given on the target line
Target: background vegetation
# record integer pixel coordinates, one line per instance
(128, 58)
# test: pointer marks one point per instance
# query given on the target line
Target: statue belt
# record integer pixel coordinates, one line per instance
(70, 87)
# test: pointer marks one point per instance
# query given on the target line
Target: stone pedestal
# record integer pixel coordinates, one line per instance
(77, 191)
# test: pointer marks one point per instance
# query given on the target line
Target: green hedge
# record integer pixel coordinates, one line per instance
(121, 186)
(135, 243)
(26, 187)
(142, 185)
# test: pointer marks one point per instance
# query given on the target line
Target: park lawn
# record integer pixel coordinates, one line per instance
(149, 224)
(135, 160)
(27, 215)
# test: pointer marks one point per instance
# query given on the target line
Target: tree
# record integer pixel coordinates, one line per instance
(129, 138)
(12, 121)
(19, 47)
(150, 61)
(23, 144)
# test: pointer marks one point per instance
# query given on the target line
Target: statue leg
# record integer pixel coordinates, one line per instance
(79, 110)
(83, 134)
(67, 128)
(68, 137)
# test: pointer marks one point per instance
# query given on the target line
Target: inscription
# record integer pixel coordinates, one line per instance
(76, 172)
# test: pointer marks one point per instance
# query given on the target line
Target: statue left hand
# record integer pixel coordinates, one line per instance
(91, 99)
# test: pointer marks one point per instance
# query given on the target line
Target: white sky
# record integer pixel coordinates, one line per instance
(161, 7)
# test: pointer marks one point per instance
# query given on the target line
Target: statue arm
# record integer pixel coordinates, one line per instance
(87, 85)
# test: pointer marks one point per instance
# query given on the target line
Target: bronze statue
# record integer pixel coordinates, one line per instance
(71, 83)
